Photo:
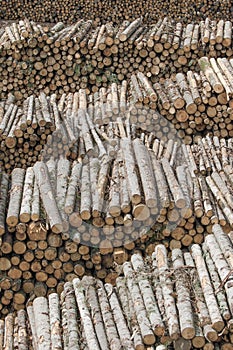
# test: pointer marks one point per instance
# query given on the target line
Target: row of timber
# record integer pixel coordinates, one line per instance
(116, 176)
(64, 58)
(183, 300)
(191, 104)
(70, 11)
(61, 219)
(141, 179)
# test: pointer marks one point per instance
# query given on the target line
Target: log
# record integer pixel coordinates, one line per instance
(3, 202)
(55, 321)
(15, 198)
(147, 294)
(41, 315)
(183, 304)
(92, 299)
(171, 316)
(70, 308)
(87, 323)
(144, 324)
(48, 199)
(210, 299)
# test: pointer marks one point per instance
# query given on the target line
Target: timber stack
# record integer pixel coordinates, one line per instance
(69, 11)
(192, 105)
(178, 300)
(63, 219)
(64, 58)
(116, 176)
(140, 184)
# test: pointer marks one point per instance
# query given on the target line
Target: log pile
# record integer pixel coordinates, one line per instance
(199, 101)
(62, 219)
(211, 177)
(69, 11)
(76, 126)
(24, 130)
(181, 300)
(186, 299)
(134, 186)
(138, 183)
(85, 55)
(15, 332)
(116, 138)
(191, 105)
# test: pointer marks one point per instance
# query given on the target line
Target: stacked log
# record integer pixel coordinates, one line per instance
(209, 162)
(36, 261)
(178, 190)
(166, 301)
(65, 219)
(16, 332)
(24, 130)
(139, 202)
(68, 10)
(89, 56)
(75, 126)
(194, 105)
(199, 102)
(163, 301)
(103, 167)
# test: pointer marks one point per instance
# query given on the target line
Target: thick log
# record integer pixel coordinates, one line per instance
(210, 299)
(15, 198)
(46, 194)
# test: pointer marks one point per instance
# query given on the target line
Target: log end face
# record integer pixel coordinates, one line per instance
(186, 213)
(179, 103)
(25, 217)
(98, 222)
(210, 334)
(5, 264)
(136, 199)
(188, 333)
(57, 228)
(12, 221)
(10, 142)
(180, 203)
(218, 88)
(151, 203)
(149, 339)
(159, 330)
(191, 108)
(141, 212)
(75, 220)
(199, 213)
(68, 210)
(85, 215)
(115, 211)
(218, 325)
(198, 342)
(35, 217)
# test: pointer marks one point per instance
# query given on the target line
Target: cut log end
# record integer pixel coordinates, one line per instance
(75, 220)
(180, 203)
(188, 333)
(218, 326)
(12, 221)
(198, 342)
(25, 217)
(114, 211)
(159, 331)
(57, 228)
(141, 212)
(136, 199)
(85, 215)
(149, 339)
